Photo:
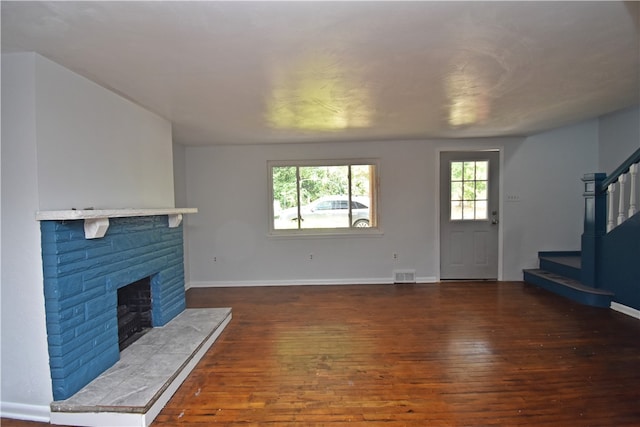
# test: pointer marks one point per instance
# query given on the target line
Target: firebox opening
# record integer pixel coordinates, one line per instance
(134, 311)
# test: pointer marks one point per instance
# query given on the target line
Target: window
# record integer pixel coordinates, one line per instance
(469, 195)
(323, 196)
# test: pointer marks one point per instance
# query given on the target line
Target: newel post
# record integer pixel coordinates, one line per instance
(595, 226)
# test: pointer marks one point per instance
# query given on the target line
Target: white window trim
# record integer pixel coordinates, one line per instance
(323, 232)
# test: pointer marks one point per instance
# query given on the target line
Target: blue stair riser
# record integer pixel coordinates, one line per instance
(577, 295)
(561, 269)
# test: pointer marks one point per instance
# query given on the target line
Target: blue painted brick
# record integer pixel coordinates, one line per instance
(72, 246)
(134, 240)
(78, 378)
(168, 313)
(76, 233)
(71, 344)
(58, 237)
(49, 248)
(61, 366)
(118, 279)
(61, 287)
(98, 306)
(101, 345)
(47, 226)
(171, 238)
(132, 249)
(154, 265)
(61, 338)
(70, 323)
(96, 272)
(97, 325)
(98, 250)
(69, 288)
(62, 315)
(51, 289)
(97, 283)
(57, 374)
(49, 261)
(60, 226)
(161, 255)
(168, 273)
(93, 347)
(174, 291)
(76, 267)
(71, 257)
(122, 225)
(49, 267)
(70, 351)
(54, 305)
(173, 308)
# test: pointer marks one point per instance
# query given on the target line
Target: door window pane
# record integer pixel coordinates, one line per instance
(456, 190)
(469, 171)
(481, 209)
(482, 171)
(481, 190)
(456, 210)
(469, 190)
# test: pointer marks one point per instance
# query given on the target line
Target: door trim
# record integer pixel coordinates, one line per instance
(500, 150)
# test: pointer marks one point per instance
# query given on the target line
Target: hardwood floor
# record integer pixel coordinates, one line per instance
(450, 354)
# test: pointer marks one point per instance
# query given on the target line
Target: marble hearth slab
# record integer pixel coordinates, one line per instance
(136, 388)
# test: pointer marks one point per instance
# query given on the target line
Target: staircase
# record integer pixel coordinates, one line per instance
(609, 263)
(560, 273)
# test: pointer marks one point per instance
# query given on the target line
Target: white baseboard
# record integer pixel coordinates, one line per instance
(21, 411)
(625, 310)
(306, 282)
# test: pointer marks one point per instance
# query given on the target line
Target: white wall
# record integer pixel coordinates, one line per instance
(229, 186)
(180, 188)
(66, 142)
(545, 171)
(26, 380)
(619, 135)
(179, 175)
(97, 149)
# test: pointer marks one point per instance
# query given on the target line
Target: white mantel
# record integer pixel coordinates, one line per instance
(96, 221)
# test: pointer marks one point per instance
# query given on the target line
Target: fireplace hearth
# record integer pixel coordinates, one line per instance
(134, 390)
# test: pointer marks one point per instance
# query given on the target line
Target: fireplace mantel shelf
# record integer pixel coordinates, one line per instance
(96, 221)
(72, 214)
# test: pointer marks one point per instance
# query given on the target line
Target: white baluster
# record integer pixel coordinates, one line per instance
(633, 171)
(621, 179)
(611, 222)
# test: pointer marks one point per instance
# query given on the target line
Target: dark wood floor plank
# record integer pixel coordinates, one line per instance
(451, 354)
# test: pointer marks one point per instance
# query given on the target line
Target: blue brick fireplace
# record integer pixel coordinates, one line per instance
(81, 280)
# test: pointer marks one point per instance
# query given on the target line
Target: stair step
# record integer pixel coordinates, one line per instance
(568, 287)
(569, 261)
(566, 264)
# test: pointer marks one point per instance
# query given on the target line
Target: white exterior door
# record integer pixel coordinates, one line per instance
(469, 214)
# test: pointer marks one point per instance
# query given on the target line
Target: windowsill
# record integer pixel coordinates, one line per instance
(315, 233)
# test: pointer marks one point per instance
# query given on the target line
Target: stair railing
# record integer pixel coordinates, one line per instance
(622, 204)
(603, 210)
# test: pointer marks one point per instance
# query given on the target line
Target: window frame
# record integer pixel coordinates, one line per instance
(326, 232)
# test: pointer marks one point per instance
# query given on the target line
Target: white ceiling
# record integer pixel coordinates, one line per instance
(254, 72)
